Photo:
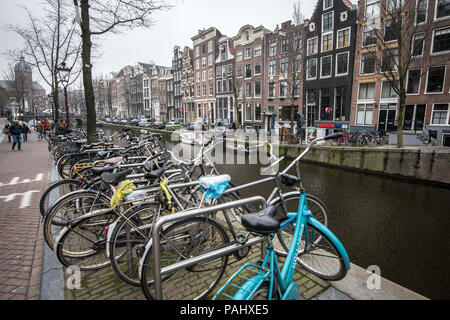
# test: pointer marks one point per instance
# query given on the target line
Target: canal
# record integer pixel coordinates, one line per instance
(400, 226)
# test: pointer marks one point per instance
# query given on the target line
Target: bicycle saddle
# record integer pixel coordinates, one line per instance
(103, 154)
(100, 170)
(115, 178)
(156, 173)
(149, 166)
(262, 222)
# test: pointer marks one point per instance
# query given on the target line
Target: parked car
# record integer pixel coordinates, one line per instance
(172, 126)
(134, 122)
(159, 125)
(144, 123)
(108, 120)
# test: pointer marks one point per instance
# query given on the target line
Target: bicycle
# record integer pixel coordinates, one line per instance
(266, 280)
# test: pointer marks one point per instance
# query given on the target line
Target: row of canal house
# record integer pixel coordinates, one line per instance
(332, 67)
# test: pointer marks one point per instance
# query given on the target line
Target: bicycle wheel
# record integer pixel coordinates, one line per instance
(180, 241)
(83, 243)
(55, 192)
(320, 258)
(71, 206)
(127, 242)
(318, 209)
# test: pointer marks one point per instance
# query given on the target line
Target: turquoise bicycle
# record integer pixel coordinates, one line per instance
(313, 246)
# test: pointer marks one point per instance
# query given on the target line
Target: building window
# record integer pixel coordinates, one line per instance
(328, 21)
(387, 90)
(392, 29)
(417, 45)
(239, 71)
(325, 67)
(366, 91)
(197, 51)
(248, 89)
(257, 89)
(440, 114)
(248, 112)
(224, 86)
(325, 104)
(197, 64)
(204, 75)
(258, 111)
(271, 90)
(297, 88)
(442, 9)
(239, 56)
(257, 50)
(284, 45)
(370, 35)
(390, 60)
(248, 53)
(435, 82)
(283, 89)
(198, 76)
(343, 38)
(284, 63)
(210, 60)
(340, 101)
(273, 49)
(441, 40)
(364, 114)
(421, 11)
(394, 5)
(248, 70)
(342, 60)
(210, 46)
(211, 89)
(240, 91)
(210, 74)
(204, 89)
(297, 43)
(203, 62)
(219, 86)
(272, 68)
(368, 63)
(372, 9)
(327, 42)
(312, 46)
(311, 69)
(258, 67)
(298, 63)
(327, 4)
(413, 85)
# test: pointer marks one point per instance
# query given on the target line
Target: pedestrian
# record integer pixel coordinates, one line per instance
(61, 127)
(16, 131)
(25, 131)
(6, 132)
(46, 126)
(39, 130)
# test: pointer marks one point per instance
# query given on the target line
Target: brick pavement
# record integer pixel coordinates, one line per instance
(24, 176)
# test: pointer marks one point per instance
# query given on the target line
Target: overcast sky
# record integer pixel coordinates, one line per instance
(174, 27)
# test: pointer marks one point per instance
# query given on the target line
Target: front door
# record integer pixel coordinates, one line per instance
(310, 114)
(409, 117)
(387, 120)
(420, 116)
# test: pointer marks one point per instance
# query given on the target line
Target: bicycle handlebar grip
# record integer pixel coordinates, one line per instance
(334, 136)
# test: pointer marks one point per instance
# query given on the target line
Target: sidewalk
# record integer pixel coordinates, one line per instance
(24, 176)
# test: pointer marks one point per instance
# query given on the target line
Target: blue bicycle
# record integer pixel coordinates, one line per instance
(313, 246)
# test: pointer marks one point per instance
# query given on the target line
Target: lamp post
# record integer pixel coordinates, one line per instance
(64, 73)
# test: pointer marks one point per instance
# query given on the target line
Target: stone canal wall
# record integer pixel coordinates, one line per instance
(426, 165)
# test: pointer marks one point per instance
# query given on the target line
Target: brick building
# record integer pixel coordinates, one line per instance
(188, 86)
(328, 64)
(205, 45)
(224, 81)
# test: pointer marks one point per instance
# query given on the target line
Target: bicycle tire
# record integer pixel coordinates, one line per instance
(184, 283)
(315, 205)
(44, 202)
(322, 258)
(83, 243)
(52, 228)
(126, 263)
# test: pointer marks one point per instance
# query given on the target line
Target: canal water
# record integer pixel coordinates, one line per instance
(399, 226)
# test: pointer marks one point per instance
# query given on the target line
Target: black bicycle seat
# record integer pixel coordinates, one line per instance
(156, 173)
(115, 178)
(100, 170)
(289, 180)
(262, 222)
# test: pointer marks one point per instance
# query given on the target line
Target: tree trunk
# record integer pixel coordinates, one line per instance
(55, 97)
(401, 116)
(87, 71)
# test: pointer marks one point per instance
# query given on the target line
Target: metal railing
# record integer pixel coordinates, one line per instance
(232, 247)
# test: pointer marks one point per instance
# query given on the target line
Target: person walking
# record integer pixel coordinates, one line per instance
(6, 132)
(16, 131)
(46, 127)
(39, 130)
(61, 127)
(25, 131)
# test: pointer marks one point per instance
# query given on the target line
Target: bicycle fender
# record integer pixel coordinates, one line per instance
(249, 287)
(333, 238)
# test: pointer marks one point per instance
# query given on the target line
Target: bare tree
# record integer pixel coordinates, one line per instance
(395, 31)
(50, 41)
(105, 16)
